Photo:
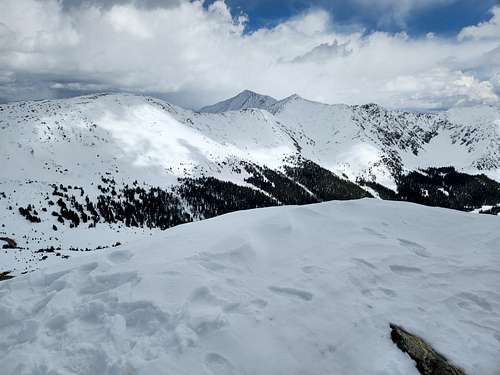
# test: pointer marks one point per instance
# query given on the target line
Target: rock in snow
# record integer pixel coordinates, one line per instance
(287, 290)
(428, 361)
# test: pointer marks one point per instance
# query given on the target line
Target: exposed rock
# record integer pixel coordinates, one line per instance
(10, 243)
(5, 275)
(428, 361)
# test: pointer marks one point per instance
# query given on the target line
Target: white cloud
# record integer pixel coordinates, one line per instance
(189, 51)
(35, 27)
(440, 88)
(485, 30)
(79, 86)
(124, 19)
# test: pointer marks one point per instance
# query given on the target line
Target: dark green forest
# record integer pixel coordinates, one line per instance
(304, 182)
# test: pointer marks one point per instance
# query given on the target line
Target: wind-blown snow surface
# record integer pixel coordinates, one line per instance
(288, 290)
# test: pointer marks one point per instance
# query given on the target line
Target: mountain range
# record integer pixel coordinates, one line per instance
(95, 171)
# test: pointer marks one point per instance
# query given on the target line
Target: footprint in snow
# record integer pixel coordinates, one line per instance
(120, 256)
(313, 269)
(103, 283)
(477, 300)
(379, 292)
(365, 263)
(219, 365)
(374, 233)
(292, 292)
(416, 248)
(404, 269)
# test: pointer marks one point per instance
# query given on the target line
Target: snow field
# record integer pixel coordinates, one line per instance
(287, 290)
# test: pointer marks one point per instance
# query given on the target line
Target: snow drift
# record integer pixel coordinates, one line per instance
(288, 290)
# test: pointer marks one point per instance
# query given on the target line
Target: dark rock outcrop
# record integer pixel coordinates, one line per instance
(428, 361)
(10, 243)
(5, 275)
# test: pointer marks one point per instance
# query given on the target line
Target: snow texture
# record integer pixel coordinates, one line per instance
(286, 290)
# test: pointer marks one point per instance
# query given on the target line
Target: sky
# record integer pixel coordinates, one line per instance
(408, 54)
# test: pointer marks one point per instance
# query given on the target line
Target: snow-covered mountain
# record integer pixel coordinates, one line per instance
(283, 290)
(97, 170)
(245, 99)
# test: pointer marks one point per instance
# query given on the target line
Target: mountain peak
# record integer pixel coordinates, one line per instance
(248, 93)
(292, 98)
(279, 105)
(245, 99)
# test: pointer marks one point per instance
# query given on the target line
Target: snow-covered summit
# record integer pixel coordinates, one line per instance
(291, 100)
(245, 99)
(147, 133)
(289, 290)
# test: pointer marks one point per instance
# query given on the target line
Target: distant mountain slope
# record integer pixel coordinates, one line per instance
(88, 172)
(288, 290)
(245, 99)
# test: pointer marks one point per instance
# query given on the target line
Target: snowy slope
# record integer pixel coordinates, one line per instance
(78, 144)
(139, 136)
(288, 290)
(376, 143)
(153, 139)
(245, 99)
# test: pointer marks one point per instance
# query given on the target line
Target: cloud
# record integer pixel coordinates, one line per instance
(195, 55)
(442, 87)
(324, 52)
(106, 4)
(485, 30)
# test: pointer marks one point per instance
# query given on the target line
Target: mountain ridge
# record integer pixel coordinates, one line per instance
(91, 171)
(243, 100)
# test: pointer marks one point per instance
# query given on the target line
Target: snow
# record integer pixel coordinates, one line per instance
(245, 99)
(155, 141)
(125, 137)
(164, 142)
(442, 190)
(285, 290)
(130, 137)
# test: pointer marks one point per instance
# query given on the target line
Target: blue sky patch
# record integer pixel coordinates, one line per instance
(445, 18)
